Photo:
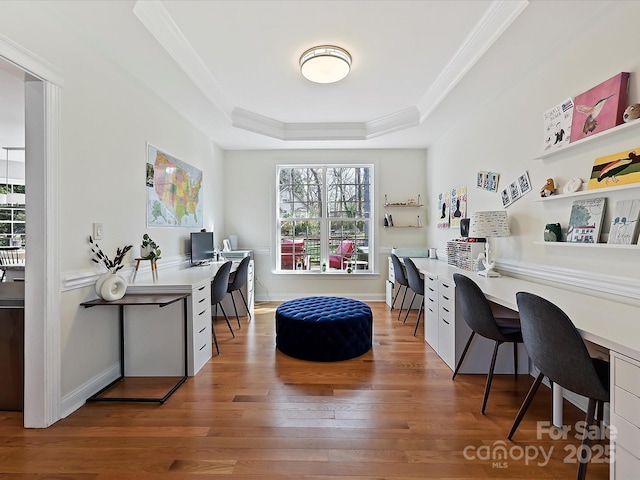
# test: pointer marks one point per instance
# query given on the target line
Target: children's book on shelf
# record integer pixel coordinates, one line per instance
(585, 221)
(624, 224)
(557, 125)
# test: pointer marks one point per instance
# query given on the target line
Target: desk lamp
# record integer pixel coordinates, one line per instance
(486, 225)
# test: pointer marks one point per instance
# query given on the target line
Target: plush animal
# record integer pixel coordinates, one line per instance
(548, 189)
(632, 112)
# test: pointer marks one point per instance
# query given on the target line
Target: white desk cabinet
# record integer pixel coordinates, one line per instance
(431, 314)
(625, 416)
(447, 332)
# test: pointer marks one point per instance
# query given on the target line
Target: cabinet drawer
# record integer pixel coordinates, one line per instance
(627, 376)
(201, 295)
(201, 318)
(627, 406)
(431, 282)
(392, 275)
(447, 299)
(625, 465)
(625, 433)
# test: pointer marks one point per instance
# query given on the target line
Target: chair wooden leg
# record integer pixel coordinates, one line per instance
(487, 387)
(409, 309)
(525, 404)
(584, 454)
(403, 297)
(418, 321)
(464, 352)
(235, 309)
(246, 305)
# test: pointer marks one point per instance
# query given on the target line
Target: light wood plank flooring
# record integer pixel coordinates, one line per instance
(253, 413)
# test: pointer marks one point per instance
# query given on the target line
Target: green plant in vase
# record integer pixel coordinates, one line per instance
(149, 250)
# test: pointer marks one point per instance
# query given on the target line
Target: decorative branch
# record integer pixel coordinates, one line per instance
(101, 259)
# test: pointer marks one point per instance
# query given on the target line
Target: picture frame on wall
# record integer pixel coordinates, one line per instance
(600, 107)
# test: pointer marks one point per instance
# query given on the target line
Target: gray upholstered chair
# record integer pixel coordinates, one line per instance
(416, 284)
(477, 313)
(557, 350)
(235, 285)
(219, 287)
(401, 278)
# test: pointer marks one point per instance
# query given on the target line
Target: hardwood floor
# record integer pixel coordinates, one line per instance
(254, 413)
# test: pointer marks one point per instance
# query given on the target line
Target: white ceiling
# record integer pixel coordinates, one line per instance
(231, 67)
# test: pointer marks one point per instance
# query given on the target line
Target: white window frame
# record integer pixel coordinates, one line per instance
(325, 222)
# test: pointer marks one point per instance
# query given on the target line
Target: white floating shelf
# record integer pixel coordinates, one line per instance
(593, 193)
(606, 133)
(588, 245)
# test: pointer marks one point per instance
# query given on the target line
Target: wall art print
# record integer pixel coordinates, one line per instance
(487, 181)
(458, 206)
(174, 191)
(557, 125)
(614, 170)
(600, 108)
(516, 189)
(443, 210)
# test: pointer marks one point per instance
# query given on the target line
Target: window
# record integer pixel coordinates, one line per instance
(324, 218)
(12, 219)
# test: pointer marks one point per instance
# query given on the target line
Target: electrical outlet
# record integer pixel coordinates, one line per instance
(97, 231)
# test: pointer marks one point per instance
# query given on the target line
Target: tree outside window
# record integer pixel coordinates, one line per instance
(324, 218)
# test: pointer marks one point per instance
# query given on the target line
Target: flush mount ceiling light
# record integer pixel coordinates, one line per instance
(325, 64)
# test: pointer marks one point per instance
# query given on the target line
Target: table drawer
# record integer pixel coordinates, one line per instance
(447, 299)
(201, 296)
(627, 406)
(627, 376)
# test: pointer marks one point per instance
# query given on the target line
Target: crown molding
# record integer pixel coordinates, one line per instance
(496, 20)
(493, 24)
(164, 29)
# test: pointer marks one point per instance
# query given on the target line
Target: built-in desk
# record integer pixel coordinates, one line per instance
(615, 326)
(157, 329)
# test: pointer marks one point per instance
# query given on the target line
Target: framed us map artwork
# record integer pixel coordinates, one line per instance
(174, 191)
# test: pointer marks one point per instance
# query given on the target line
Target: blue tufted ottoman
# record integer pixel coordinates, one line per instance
(324, 329)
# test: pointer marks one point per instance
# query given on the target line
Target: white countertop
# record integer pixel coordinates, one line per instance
(614, 325)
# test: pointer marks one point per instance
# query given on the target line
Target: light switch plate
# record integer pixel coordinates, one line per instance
(97, 231)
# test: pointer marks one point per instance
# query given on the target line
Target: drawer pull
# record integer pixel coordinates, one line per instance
(202, 311)
(446, 321)
(203, 329)
(445, 297)
(431, 289)
(430, 310)
(445, 285)
(431, 300)
(202, 347)
(202, 288)
(445, 309)
(201, 300)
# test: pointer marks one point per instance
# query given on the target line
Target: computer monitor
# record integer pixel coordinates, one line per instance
(202, 250)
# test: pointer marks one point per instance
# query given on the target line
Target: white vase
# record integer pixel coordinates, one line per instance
(111, 286)
(145, 251)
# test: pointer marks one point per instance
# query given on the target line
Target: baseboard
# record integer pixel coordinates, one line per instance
(78, 397)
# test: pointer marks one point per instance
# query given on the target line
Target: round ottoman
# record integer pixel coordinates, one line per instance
(324, 329)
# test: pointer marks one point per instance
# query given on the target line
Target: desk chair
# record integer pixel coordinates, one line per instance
(416, 284)
(239, 281)
(558, 351)
(219, 287)
(477, 313)
(401, 278)
(8, 256)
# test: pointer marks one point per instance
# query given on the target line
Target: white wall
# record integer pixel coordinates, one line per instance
(505, 136)
(107, 118)
(250, 178)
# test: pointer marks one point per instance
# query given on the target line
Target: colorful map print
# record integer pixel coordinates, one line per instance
(173, 191)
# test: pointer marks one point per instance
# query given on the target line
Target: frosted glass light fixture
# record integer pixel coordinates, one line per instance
(486, 225)
(325, 64)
